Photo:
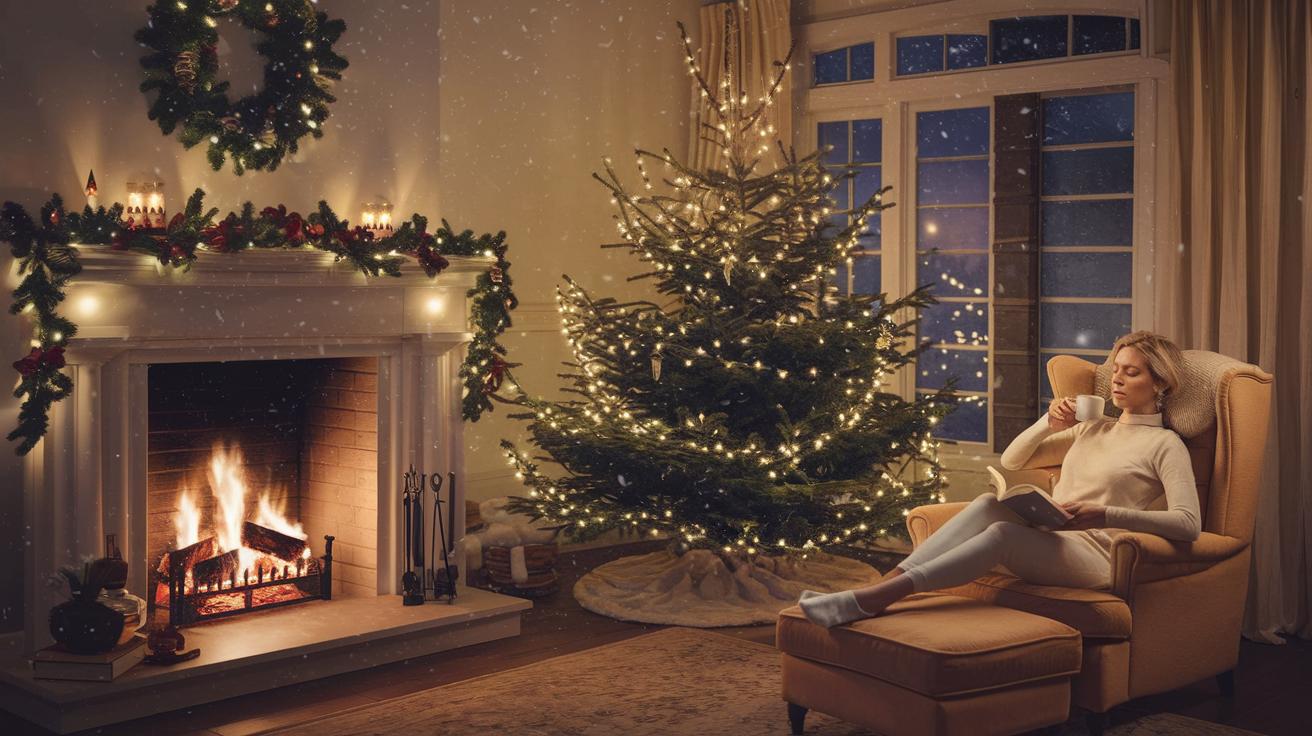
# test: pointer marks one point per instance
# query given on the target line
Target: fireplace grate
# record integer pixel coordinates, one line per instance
(194, 597)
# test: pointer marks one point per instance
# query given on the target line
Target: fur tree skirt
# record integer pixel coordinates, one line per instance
(699, 589)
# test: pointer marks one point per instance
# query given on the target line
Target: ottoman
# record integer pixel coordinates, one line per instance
(931, 664)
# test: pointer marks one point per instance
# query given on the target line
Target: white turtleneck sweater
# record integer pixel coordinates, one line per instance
(1134, 466)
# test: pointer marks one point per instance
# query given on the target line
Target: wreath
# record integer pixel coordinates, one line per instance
(258, 130)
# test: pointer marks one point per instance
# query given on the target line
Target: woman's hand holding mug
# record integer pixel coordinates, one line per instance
(1061, 414)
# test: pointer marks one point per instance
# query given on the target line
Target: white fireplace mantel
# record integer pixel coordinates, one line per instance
(87, 477)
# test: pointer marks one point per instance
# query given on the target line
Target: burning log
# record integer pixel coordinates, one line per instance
(216, 569)
(270, 542)
(187, 557)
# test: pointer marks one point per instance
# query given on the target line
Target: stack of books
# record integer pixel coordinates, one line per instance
(57, 663)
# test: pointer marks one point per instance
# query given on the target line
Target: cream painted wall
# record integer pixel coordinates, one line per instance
(532, 99)
(491, 113)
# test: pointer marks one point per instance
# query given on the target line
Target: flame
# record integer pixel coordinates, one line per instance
(271, 517)
(187, 522)
(227, 485)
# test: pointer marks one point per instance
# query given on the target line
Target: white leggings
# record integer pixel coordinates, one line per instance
(987, 534)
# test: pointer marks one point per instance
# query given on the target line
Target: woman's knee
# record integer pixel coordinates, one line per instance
(1005, 528)
(988, 498)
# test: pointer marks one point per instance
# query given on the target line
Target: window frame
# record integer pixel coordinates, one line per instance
(899, 98)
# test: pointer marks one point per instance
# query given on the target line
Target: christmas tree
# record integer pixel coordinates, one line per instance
(751, 416)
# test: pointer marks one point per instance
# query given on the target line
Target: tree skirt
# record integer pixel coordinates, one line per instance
(698, 589)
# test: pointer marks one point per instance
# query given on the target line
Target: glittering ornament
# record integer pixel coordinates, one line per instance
(656, 367)
(882, 342)
(184, 70)
(728, 273)
(496, 274)
(224, 6)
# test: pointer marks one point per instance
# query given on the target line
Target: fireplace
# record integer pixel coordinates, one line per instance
(317, 389)
(327, 385)
(255, 468)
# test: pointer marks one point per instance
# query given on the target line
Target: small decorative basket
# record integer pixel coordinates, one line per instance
(528, 570)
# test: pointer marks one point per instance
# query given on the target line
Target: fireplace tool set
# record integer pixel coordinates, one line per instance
(423, 576)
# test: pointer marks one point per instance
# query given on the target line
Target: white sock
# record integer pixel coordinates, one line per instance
(809, 594)
(833, 609)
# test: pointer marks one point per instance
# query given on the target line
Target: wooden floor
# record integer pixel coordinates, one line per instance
(1273, 683)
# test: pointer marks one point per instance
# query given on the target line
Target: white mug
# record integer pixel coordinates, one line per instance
(1088, 406)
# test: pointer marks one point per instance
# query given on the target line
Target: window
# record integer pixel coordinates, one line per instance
(1011, 40)
(952, 253)
(858, 149)
(1015, 194)
(851, 64)
(1086, 226)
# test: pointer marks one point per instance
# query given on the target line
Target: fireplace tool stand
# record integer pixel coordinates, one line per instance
(423, 576)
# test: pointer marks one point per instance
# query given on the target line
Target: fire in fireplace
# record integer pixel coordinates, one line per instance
(242, 564)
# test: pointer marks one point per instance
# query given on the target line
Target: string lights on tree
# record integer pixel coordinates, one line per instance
(752, 414)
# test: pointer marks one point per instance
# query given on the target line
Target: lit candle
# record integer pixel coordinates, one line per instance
(133, 211)
(93, 201)
(368, 215)
(385, 218)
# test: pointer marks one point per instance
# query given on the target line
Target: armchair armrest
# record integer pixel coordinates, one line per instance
(925, 520)
(1139, 557)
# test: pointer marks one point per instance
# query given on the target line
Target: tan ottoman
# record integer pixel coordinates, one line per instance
(931, 664)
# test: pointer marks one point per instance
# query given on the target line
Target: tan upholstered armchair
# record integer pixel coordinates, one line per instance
(1175, 609)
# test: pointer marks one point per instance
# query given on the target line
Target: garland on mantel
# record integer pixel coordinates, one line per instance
(46, 263)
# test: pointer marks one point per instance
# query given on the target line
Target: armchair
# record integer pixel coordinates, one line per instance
(1175, 609)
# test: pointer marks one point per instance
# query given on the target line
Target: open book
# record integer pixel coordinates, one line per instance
(1031, 502)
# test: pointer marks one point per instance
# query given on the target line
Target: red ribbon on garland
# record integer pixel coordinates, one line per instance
(38, 359)
(496, 374)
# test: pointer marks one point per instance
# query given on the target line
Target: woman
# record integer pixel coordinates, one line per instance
(1130, 474)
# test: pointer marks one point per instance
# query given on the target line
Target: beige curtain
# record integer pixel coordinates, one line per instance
(762, 37)
(1237, 279)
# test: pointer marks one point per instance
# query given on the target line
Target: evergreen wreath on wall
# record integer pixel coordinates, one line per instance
(258, 130)
(47, 262)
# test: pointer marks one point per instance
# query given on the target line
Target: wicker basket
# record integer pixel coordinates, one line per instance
(540, 561)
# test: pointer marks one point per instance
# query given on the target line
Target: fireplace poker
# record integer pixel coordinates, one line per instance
(435, 484)
(449, 583)
(417, 538)
(411, 586)
(451, 508)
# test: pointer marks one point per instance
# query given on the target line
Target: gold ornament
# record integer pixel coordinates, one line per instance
(882, 342)
(656, 367)
(184, 70)
(728, 273)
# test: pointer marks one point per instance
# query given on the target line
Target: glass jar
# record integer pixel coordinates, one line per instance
(130, 606)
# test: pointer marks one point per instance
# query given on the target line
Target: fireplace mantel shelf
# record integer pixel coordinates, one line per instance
(263, 267)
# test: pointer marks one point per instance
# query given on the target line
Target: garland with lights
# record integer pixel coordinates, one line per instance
(47, 262)
(749, 418)
(258, 130)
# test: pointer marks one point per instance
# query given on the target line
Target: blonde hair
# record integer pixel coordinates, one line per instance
(1165, 361)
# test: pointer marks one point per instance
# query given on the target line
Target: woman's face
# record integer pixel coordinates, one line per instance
(1133, 389)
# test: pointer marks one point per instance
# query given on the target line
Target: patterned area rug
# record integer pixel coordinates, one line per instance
(672, 682)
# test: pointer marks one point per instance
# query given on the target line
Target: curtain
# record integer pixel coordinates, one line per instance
(759, 35)
(1237, 278)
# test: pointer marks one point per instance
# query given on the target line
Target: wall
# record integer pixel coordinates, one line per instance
(490, 114)
(532, 99)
